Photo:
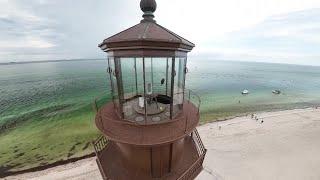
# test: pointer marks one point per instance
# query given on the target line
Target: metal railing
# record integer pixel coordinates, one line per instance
(192, 97)
(189, 95)
(99, 145)
(197, 165)
(134, 131)
(199, 144)
(101, 100)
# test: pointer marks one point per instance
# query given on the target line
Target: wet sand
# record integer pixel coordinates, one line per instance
(285, 146)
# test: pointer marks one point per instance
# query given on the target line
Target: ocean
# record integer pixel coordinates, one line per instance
(46, 112)
(29, 87)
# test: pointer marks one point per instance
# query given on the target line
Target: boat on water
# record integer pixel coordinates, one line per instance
(244, 92)
(276, 92)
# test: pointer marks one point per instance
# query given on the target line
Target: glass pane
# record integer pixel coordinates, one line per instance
(159, 80)
(114, 82)
(157, 85)
(139, 70)
(139, 103)
(127, 66)
(143, 92)
(168, 76)
(179, 76)
(148, 75)
(133, 89)
(128, 77)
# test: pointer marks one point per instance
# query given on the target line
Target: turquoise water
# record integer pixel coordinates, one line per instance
(30, 87)
(220, 84)
(25, 88)
(46, 108)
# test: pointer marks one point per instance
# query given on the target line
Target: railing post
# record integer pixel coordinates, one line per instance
(94, 146)
(99, 144)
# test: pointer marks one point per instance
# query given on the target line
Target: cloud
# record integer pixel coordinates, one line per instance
(259, 30)
(203, 19)
(287, 38)
(43, 29)
(27, 42)
(22, 31)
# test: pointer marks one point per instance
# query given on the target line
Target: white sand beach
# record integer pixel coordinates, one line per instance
(285, 146)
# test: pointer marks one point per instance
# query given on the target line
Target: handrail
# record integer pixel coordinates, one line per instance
(138, 124)
(179, 126)
(192, 169)
(194, 98)
(198, 141)
(190, 172)
(100, 144)
(179, 130)
(100, 97)
(189, 95)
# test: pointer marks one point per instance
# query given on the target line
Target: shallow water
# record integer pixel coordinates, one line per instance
(46, 108)
(25, 88)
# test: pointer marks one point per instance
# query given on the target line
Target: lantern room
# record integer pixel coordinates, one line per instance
(147, 69)
(149, 128)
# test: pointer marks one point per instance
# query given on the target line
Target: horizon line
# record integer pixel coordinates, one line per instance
(88, 59)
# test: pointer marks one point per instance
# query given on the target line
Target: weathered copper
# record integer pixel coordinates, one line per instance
(147, 134)
(148, 34)
(129, 162)
(148, 6)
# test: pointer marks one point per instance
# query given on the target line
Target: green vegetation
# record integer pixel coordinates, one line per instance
(51, 135)
(61, 132)
(47, 112)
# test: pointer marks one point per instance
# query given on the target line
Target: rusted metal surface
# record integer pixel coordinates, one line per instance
(128, 132)
(148, 5)
(114, 165)
(196, 167)
(146, 35)
(100, 145)
(189, 97)
(163, 145)
(148, 52)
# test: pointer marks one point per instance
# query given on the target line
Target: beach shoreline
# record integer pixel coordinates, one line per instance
(40, 99)
(211, 133)
(90, 154)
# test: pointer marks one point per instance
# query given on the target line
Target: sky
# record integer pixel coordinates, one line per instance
(277, 31)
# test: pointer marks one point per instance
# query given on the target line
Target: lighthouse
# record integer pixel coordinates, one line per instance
(149, 128)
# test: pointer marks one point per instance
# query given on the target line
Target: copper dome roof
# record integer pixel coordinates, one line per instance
(146, 35)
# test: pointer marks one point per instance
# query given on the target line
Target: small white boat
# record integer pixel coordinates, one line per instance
(245, 92)
(276, 92)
